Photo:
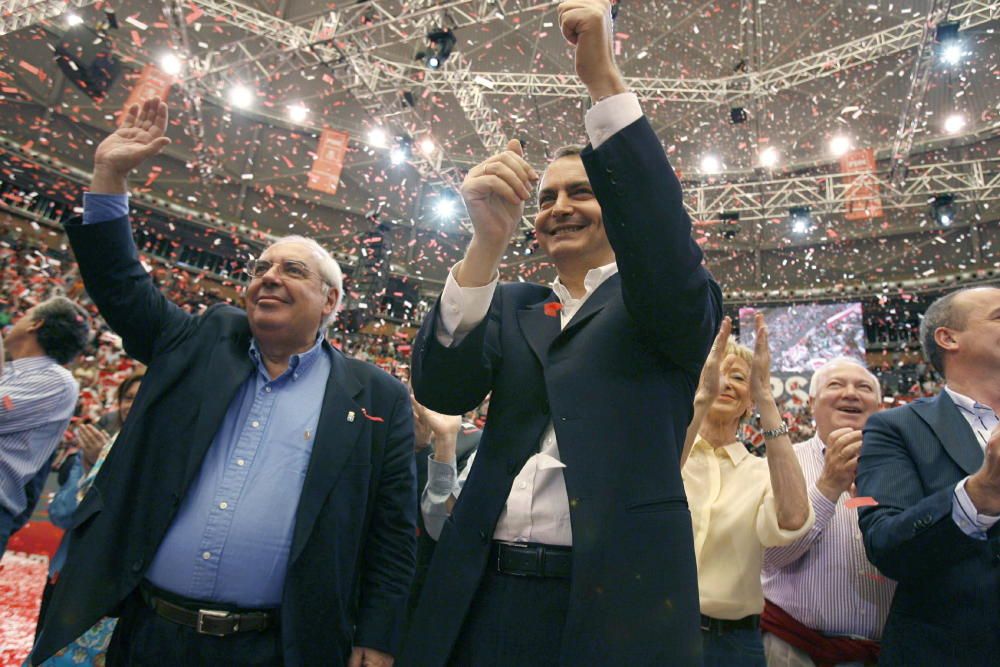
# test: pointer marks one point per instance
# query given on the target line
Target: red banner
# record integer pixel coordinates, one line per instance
(152, 83)
(862, 191)
(329, 162)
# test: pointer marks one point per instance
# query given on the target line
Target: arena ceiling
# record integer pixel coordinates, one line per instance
(804, 72)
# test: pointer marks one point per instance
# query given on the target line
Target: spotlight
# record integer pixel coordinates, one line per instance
(769, 157)
(297, 113)
(444, 41)
(397, 156)
(954, 123)
(427, 146)
(73, 19)
(377, 137)
(952, 54)
(943, 209)
(729, 224)
(171, 64)
(839, 145)
(403, 150)
(738, 115)
(949, 42)
(800, 218)
(241, 96)
(445, 207)
(711, 164)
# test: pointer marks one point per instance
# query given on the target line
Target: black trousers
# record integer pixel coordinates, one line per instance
(144, 639)
(513, 621)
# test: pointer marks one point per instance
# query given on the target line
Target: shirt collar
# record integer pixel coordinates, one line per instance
(594, 279)
(736, 451)
(25, 364)
(297, 363)
(966, 403)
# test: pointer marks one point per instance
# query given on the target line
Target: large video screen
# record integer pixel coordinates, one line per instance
(804, 336)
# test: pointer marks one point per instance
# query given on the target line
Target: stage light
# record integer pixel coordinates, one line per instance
(73, 19)
(949, 43)
(377, 137)
(711, 164)
(954, 123)
(443, 40)
(729, 224)
(433, 62)
(839, 145)
(800, 218)
(738, 115)
(297, 113)
(171, 64)
(241, 96)
(397, 156)
(769, 157)
(952, 54)
(445, 207)
(427, 146)
(943, 209)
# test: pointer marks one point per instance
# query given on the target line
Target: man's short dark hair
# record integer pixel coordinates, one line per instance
(567, 151)
(941, 313)
(126, 384)
(65, 330)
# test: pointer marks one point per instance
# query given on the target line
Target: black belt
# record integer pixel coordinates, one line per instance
(215, 622)
(722, 625)
(532, 560)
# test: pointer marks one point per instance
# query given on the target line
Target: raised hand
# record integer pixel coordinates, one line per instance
(841, 463)
(494, 192)
(140, 137)
(586, 24)
(760, 372)
(709, 384)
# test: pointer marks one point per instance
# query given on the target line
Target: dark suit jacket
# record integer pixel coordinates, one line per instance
(352, 549)
(617, 383)
(946, 610)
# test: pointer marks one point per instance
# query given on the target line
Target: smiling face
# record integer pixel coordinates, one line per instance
(845, 397)
(568, 226)
(733, 400)
(288, 309)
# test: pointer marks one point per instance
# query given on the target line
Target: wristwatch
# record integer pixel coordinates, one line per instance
(773, 433)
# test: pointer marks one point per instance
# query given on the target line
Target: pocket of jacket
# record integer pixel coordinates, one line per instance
(668, 504)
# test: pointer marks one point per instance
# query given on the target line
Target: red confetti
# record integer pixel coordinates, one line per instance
(552, 308)
(863, 501)
(8, 404)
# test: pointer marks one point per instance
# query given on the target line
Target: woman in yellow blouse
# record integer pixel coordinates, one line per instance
(740, 504)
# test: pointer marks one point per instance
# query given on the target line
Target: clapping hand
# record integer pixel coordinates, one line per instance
(709, 384)
(841, 463)
(92, 440)
(760, 371)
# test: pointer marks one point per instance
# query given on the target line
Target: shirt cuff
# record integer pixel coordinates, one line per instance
(462, 308)
(103, 207)
(967, 517)
(441, 478)
(822, 507)
(610, 116)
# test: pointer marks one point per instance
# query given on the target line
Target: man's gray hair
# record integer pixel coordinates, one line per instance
(941, 313)
(329, 271)
(819, 377)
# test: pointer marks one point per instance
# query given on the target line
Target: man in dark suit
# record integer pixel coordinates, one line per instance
(933, 468)
(571, 542)
(259, 506)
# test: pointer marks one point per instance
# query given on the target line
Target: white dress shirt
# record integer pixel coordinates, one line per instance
(982, 419)
(537, 508)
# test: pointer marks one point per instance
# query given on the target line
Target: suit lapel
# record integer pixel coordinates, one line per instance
(336, 436)
(954, 432)
(595, 304)
(228, 369)
(539, 329)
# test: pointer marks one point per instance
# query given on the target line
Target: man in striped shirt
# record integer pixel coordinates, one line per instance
(37, 398)
(825, 603)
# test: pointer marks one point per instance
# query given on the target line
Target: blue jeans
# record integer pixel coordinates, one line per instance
(735, 648)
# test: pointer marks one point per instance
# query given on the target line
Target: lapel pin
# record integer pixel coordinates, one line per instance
(307, 434)
(350, 415)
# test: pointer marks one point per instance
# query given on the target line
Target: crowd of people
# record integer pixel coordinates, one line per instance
(249, 490)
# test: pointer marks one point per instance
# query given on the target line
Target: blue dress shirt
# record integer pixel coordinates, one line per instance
(231, 538)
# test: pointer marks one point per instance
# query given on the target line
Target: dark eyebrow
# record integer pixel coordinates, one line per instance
(570, 186)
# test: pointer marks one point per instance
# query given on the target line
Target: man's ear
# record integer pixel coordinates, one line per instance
(945, 339)
(36, 325)
(332, 297)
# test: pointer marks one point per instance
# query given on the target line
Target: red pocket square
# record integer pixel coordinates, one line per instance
(552, 308)
(371, 417)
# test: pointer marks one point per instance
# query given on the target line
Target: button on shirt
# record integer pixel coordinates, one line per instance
(537, 508)
(37, 400)
(982, 420)
(231, 538)
(734, 518)
(824, 579)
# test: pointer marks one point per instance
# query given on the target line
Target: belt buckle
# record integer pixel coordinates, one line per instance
(215, 615)
(510, 545)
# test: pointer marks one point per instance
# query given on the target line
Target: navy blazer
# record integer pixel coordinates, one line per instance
(352, 551)
(946, 610)
(617, 384)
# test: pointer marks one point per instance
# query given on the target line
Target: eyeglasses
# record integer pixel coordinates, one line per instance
(290, 268)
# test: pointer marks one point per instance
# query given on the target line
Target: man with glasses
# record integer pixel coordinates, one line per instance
(260, 505)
